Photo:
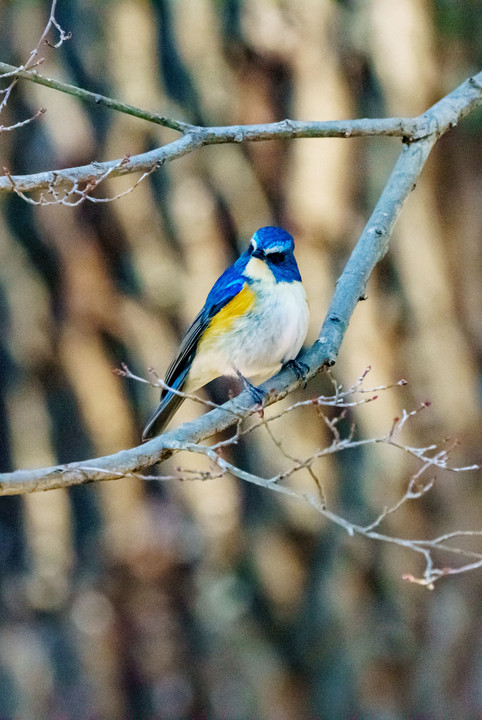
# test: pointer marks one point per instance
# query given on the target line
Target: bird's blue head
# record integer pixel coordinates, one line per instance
(274, 247)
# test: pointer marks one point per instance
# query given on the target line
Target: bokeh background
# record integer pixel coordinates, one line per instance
(135, 599)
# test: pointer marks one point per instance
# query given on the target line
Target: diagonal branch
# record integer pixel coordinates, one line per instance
(95, 98)
(350, 287)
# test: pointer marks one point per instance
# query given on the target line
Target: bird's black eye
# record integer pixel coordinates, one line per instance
(276, 258)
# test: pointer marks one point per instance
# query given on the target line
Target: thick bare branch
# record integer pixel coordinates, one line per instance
(350, 288)
(55, 180)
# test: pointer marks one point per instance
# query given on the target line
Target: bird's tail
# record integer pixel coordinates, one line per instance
(165, 410)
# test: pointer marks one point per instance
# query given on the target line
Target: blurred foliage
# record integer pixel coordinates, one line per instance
(217, 599)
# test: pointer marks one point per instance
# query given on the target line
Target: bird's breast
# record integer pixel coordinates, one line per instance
(282, 315)
(263, 327)
(272, 332)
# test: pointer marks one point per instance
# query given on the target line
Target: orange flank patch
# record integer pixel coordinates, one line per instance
(235, 308)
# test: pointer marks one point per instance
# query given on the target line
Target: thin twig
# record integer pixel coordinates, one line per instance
(22, 123)
(424, 547)
(124, 371)
(32, 61)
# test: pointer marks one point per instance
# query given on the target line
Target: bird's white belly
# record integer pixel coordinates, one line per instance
(260, 342)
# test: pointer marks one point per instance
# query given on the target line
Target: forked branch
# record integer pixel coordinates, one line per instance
(430, 125)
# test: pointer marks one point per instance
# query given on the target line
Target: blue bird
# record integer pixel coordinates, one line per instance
(253, 322)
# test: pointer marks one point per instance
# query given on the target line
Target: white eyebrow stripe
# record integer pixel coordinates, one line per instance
(273, 250)
(254, 243)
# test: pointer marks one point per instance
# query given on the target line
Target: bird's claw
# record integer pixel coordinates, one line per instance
(299, 368)
(259, 396)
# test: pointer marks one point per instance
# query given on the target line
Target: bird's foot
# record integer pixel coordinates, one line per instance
(299, 368)
(259, 396)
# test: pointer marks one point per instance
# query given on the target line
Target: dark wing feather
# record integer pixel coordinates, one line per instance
(225, 289)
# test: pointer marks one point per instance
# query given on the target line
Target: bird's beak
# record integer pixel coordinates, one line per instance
(258, 254)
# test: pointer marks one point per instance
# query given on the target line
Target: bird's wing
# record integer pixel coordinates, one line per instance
(224, 290)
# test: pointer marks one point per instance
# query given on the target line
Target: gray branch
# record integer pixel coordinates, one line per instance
(442, 116)
(350, 288)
